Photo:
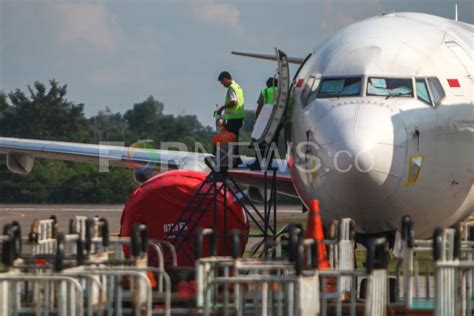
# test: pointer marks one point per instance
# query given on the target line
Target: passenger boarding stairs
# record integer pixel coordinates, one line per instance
(206, 199)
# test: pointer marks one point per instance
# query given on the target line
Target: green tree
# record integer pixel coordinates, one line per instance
(86, 183)
(3, 110)
(143, 118)
(184, 128)
(108, 126)
(147, 121)
(3, 103)
(45, 114)
(66, 182)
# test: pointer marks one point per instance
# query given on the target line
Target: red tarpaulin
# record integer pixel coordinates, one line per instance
(159, 202)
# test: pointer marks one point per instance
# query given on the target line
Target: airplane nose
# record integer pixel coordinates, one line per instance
(362, 148)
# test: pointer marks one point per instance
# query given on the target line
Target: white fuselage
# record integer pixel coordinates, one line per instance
(362, 151)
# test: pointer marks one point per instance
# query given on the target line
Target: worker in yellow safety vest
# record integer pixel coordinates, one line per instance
(267, 95)
(234, 107)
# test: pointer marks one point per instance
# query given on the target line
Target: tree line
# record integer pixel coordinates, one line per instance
(44, 112)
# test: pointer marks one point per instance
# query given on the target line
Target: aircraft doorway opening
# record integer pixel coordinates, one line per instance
(268, 123)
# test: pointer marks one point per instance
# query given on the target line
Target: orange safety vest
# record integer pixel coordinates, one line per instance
(224, 138)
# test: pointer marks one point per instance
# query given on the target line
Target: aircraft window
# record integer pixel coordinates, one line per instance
(422, 92)
(339, 87)
(390, 87)
(313, 94)
(436, 89)
(310, 85)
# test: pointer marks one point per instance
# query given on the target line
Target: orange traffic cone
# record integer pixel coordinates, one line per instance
(314, 229)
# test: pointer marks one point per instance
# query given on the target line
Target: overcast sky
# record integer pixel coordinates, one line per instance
(117, 53)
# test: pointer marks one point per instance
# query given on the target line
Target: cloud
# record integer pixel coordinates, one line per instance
(218, 14)
(338, 14)
(109, 54)
(335, 22)
(106, 79)
(88, 23)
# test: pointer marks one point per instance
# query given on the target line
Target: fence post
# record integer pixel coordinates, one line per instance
(446, 293)
(376, 302)
(408, 237)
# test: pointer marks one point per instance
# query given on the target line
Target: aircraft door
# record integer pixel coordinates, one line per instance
(271, 117)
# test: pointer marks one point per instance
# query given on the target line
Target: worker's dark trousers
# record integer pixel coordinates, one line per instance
(234, 126)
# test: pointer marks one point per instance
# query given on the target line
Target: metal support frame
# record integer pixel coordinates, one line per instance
(206, 199)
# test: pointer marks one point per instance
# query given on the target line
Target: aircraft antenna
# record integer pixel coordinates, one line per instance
(456, 12)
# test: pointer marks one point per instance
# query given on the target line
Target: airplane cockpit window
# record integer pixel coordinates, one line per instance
(390, 87)
(307, 89)
(422, 92)
(339, 87)
(436, 89)
(310, 91)
(312, 96)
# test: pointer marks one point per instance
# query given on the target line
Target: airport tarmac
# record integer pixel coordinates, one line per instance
(26, 213)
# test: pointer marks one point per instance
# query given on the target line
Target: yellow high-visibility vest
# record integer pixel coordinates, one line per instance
(238, 110)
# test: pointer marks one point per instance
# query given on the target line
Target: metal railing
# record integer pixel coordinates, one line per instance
(86, 264)
(89, 272)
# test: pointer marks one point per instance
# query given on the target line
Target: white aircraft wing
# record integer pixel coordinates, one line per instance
(21, 154)
(284, 183)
